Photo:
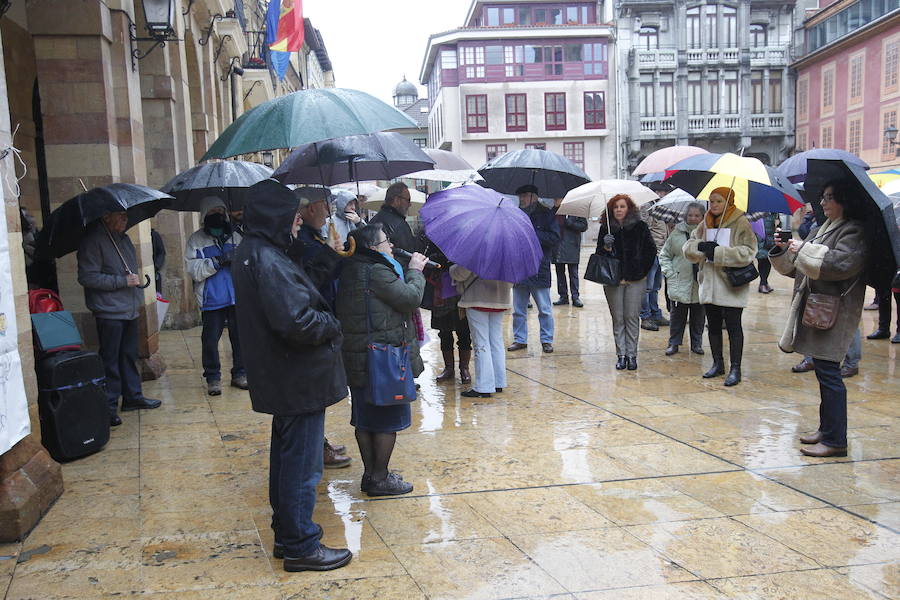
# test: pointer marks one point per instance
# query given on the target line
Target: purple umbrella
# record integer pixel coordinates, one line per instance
(794, 168)
(484, 232)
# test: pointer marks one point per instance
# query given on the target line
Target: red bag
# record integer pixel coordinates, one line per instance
(43, 301)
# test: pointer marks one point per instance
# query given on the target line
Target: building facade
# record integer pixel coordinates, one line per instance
(708, 73)
(87, 100)
(525, 74)
(848, 80)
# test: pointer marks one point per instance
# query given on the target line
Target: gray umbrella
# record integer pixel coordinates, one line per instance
(552, 174)
(227, 179)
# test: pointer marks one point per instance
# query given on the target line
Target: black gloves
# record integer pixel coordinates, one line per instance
(608, 240)
(708, 248)
(225, 258)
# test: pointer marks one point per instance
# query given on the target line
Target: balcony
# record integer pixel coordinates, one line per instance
(657, 127)
(705, 56)
(768, 56)
(649, 60)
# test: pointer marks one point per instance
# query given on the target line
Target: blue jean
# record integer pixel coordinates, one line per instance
(490, 357)
(832, 403)
(650, 302)
(295, 467)
(541, 296)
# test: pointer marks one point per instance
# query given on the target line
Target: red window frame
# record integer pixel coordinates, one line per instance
(595, 118)
(476, 116)
(496, 149)
(554, 117)
(517, 118)
(574, 151)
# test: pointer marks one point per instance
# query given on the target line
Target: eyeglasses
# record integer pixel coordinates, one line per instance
(384, 241)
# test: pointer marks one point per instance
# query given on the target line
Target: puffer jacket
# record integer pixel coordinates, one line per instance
(291, 338)
(714, 286)
(833, 263)
(678, 270)
(392, 301)
(544, 222)
(213, 285)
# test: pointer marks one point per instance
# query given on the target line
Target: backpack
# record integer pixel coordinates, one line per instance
(43, 301)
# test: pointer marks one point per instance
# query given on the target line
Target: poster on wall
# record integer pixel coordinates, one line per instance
(14, 422)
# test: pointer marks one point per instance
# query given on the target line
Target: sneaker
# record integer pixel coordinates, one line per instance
(214, 388)
(392, 485)
(649, 325)
(240, 382)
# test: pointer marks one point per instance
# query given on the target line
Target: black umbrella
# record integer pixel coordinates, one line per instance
(552, 174)
(228, 180)
(876, 208)
(66, 226)
(353, 158)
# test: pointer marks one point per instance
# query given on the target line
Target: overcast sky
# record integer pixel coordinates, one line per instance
(373, 44)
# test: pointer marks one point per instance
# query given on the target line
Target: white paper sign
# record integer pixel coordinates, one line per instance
(14, 422)
(720, 236)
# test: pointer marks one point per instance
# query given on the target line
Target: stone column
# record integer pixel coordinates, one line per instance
(30, 481)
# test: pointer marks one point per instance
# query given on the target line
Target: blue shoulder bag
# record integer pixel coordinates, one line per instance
(390, 367)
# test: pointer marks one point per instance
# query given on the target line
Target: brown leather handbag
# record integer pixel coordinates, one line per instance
(821, 310)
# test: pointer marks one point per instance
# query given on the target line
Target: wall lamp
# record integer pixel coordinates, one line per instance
(219, 47)
(268, 158)
(249, 91)
(233, 68)
(207, 32)
(159, 19)
(890, 136)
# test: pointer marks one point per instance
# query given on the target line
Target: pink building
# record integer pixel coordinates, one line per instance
(848, 80)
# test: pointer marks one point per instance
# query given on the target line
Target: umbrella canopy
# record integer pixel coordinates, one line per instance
(662, 159)
(672, 207)
(448, 161)
(416, 199)
(383, 155)
(306, 116)
(891, 188)
(361, 188)
(882, 179)
(552, 174)
(66, 226)
(589, 200)
(757, 188)
(876, 208)
(480, 230)
(795, 167)
(227, 179)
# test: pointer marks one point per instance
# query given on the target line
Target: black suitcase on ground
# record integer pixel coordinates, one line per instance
(72, 404)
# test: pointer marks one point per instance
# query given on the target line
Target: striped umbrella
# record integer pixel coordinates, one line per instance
(883, 178)
(757, 188)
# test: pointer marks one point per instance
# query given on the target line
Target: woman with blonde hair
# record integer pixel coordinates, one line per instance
(723, 240)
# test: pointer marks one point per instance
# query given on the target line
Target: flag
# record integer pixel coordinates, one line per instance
(284, 32)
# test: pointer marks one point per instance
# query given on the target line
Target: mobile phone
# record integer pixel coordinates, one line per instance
(785, 235)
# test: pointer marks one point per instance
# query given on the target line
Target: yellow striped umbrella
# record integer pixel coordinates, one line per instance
(881, 179)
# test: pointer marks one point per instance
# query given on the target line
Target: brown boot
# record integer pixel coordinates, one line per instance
(464, 375)
(820, 450)
(811, 438)
(448, 374)
(333, 460)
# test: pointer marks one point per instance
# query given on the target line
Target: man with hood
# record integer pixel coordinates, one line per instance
(208, 258)
(295, 370)
(537, 286)
(346, 216)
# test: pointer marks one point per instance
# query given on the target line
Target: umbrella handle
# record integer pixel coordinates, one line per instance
(146, 285)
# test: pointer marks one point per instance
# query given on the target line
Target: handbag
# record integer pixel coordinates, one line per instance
(389, 367)
(604, 268)
(821, 310)
(740, 276)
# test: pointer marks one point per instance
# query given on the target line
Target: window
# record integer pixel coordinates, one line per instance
(556, 16)
(536, 146)
(732, 93)
(801, 140)
(854, 135)
(476, 114)
(827, 136)
(827, 91)
(647, 96)
(514, 58)
(525, 16)
(540, 16)
(594, 57)
(712, 82)
(666, 94)
(494, 55)
(711, 28)
(508, 17)
(695, 94)
(574, 151)
(648, 38)
(516, 114)
(758, 35)
(693, 28)
(729, 27)
(891, 65)
(492, 151)
(473, 59)
(775, 91)
(756, 92)
(420, 142)
(856, 67)
(448, 59)
(594, 110)
(553, 60)
(802, 98)
(888, 119)
(555, 111)
(571, 15)
(493, 17)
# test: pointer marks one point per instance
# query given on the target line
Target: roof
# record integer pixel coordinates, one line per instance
(406, 88)
(414, 112)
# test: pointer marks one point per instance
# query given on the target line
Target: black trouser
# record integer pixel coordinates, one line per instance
(765, 267)
(679, 319)
(716, 316)
(833, 403)
(213, 324)
(884, 309)
(463, 337)
(119, 351)
(561, 280)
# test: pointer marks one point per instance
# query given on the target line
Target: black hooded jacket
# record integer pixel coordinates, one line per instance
(634, 246)
(290, 337)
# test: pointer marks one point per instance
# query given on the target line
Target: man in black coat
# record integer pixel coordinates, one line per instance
(392, 217)
(568, 254)
(295, 370)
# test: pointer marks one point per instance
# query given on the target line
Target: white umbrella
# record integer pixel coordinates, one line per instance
(362, 188)
(589, 200)
(417, 201)
(460, 176)
(671, 207)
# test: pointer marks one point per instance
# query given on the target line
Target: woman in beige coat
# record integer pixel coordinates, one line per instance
(830, 261)
(722, 301)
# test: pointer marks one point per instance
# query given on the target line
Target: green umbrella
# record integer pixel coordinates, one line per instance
(304, 117)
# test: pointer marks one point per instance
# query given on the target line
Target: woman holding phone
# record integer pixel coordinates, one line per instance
(723, 240)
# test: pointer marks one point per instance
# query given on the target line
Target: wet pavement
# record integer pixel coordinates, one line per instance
(578, 481)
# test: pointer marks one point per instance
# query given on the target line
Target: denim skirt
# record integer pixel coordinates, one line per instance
(377, 419)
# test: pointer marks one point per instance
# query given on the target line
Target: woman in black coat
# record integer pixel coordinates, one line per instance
(624, 236)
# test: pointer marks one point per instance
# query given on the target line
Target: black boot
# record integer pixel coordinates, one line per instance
(448, 374)
(632, 363)
(734, 376)
(621, 363)
(736, 352)
(718, 366)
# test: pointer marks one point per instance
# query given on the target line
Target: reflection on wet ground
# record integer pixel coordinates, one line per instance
(577, 482)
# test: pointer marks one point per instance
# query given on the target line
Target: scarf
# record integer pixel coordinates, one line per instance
(397, 267)
(727, 216)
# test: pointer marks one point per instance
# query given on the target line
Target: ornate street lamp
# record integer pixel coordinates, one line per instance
(160, 18)
(267, 158)
(890, 136)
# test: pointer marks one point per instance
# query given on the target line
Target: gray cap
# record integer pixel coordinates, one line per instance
(309, 195)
